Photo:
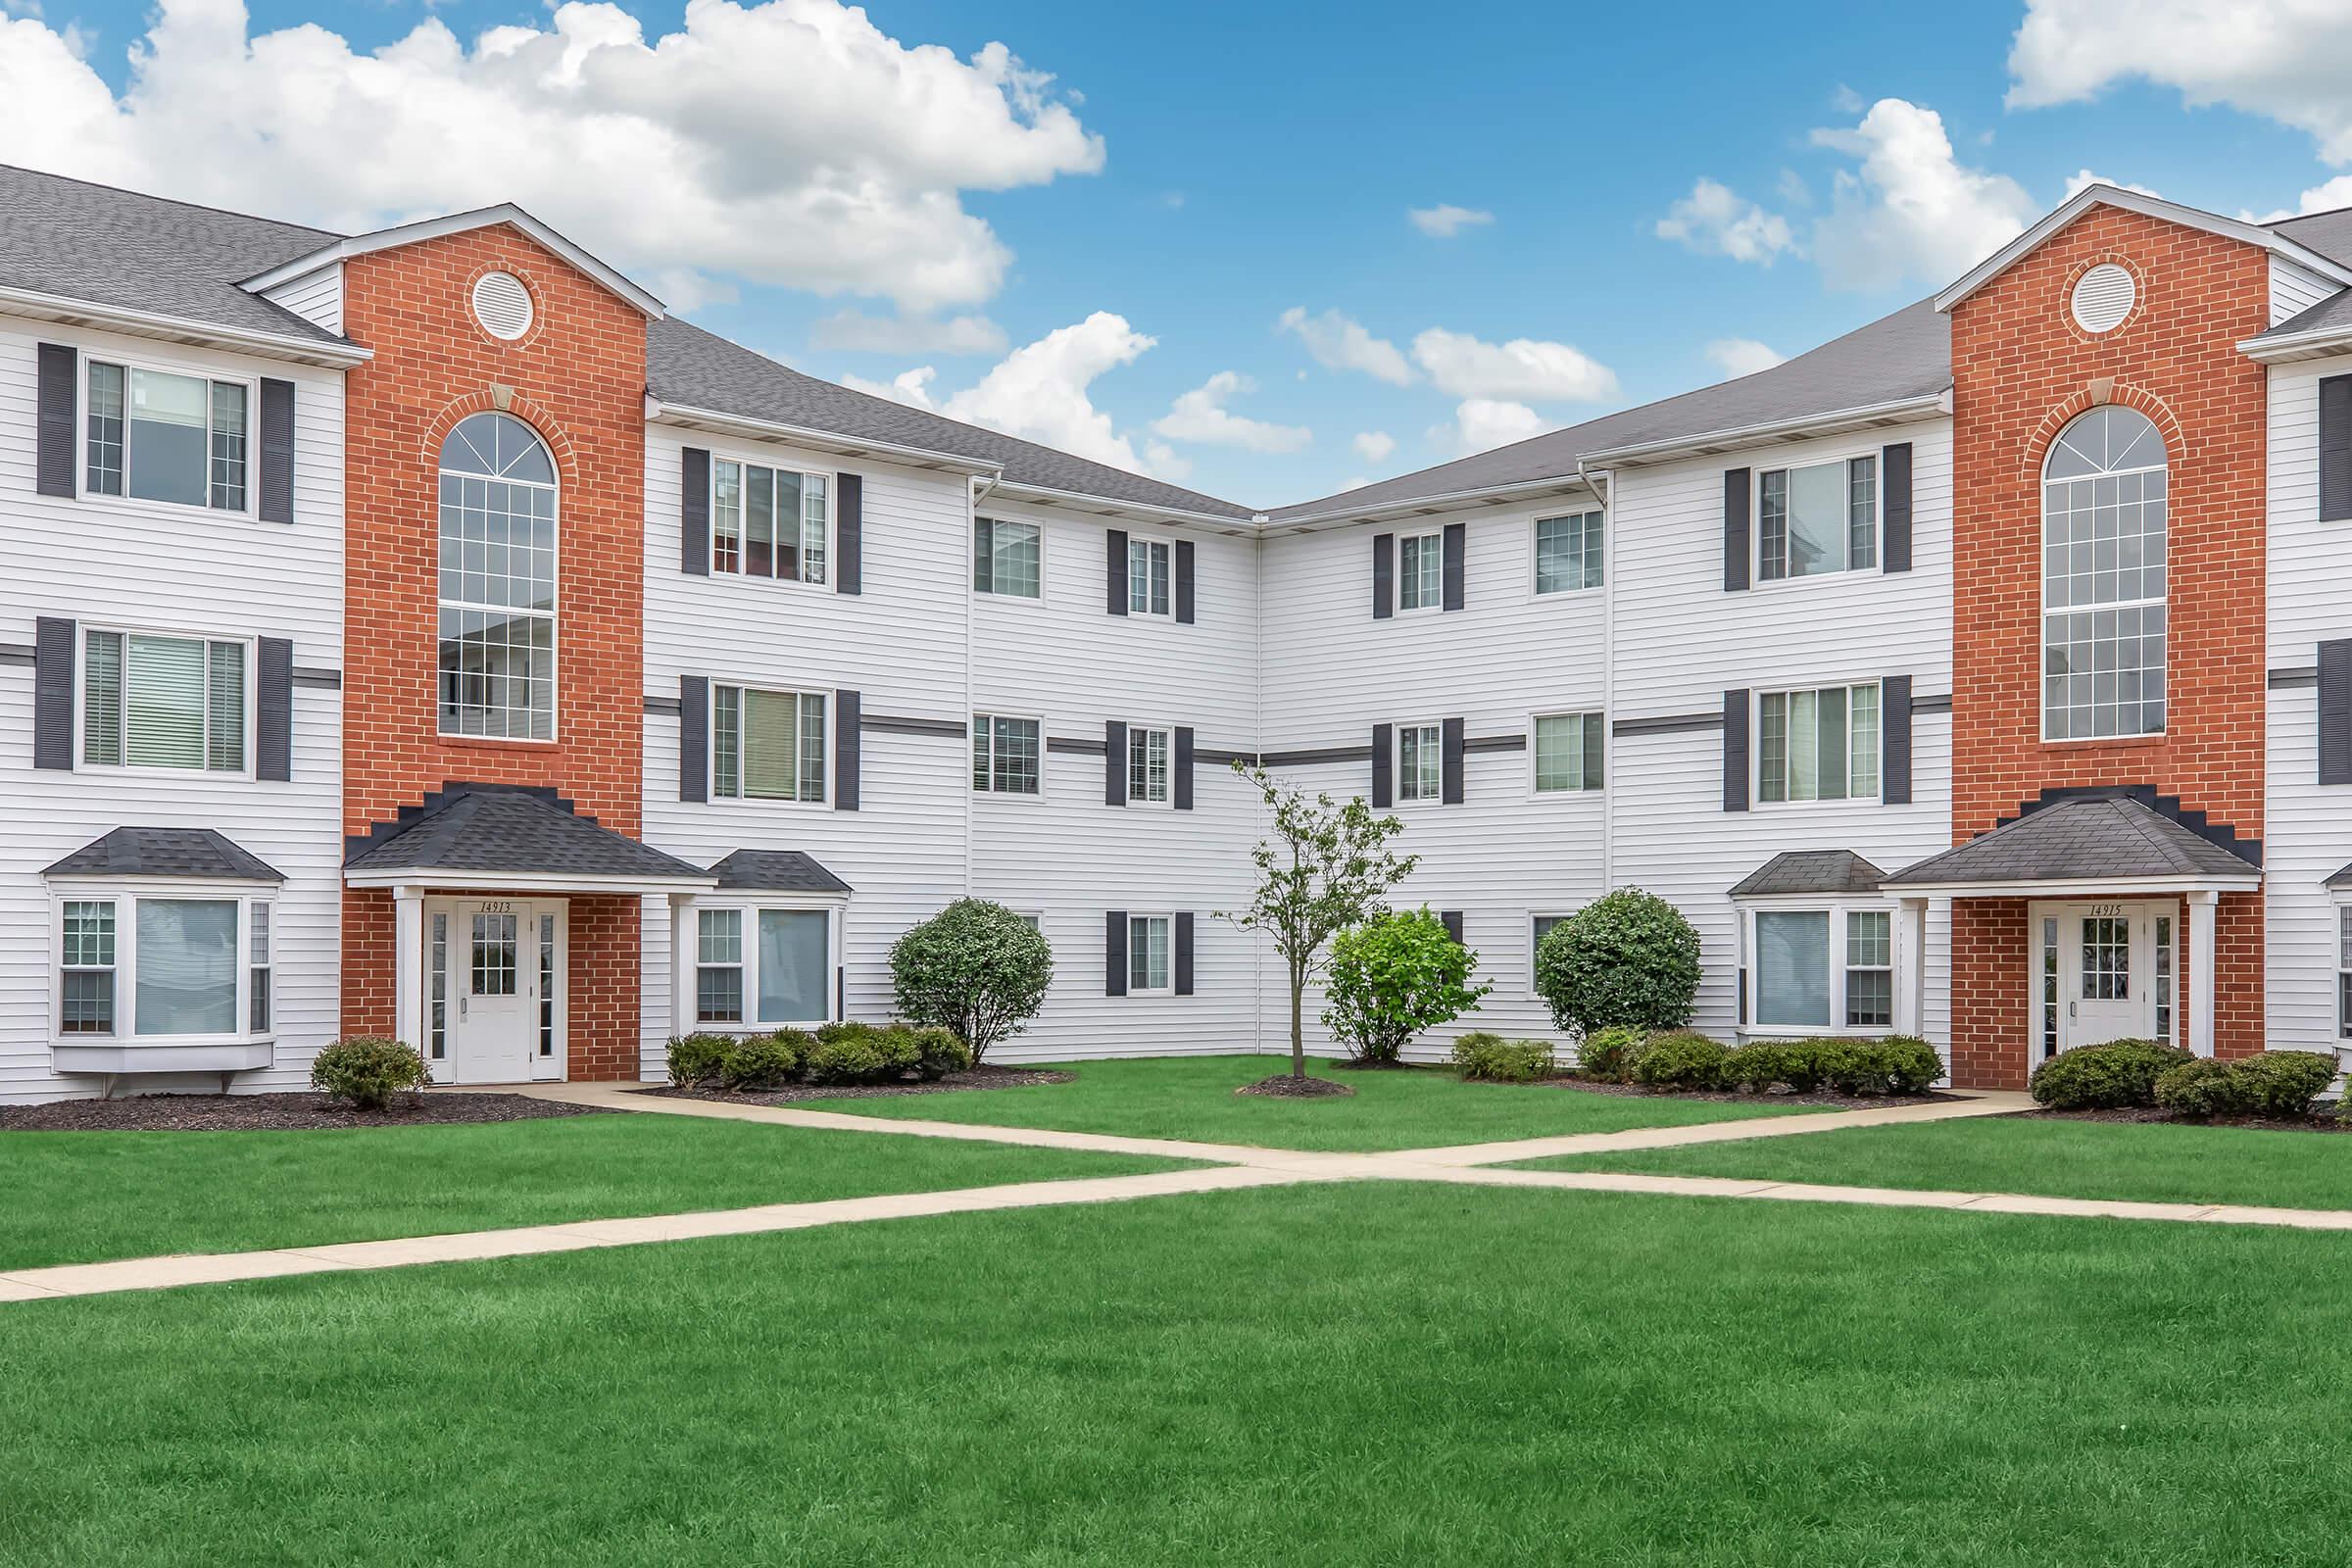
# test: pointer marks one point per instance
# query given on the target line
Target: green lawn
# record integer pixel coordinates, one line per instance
(2155, 1164)
(1193, 1098)
(1343, 1373)
(80, 1196)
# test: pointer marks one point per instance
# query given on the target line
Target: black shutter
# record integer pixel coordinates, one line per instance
(1894, 507)
(53, 643)
(983, 531)
(2335, 711)
(1894, 740)
(694, 513)
(53, 464)
(1184, 953)
(1115, 953)
(1382, 747)
(1184, 582)
(1734, 531)
(1114, 764)
(848, 533)
(274, 709)
(1117, 561)
(1183, 786)
(1735, 750)
(277, 431)
(1384, 575)
(848, 707)
(693, 738)
(1452, 919)
(2335, 449)
(1596, 731)
(1457, 545)
(1449, 763)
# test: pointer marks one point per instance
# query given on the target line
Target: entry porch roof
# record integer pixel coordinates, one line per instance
(2087, 847)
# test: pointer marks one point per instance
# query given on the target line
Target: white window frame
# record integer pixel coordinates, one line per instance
(696, 964)
(81, 675)
(1433, 540)
(1167, 918)
(1535, 554)
(748, 906)
(1135, 730)
(1534, 940)
(2043, 610)
(1151, 550)
(991, 792)
(1756, 774)
(554, 611)
(1534, 774)
(1838, 910)
(971, 549)
(1845, 569)
(1435, 796)
(250, 511)
(797, 694)
(2340, 906)
(741, 570)
(125, 895)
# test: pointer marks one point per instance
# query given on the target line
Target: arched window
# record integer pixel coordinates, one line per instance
(498, 581)
(2102, 578)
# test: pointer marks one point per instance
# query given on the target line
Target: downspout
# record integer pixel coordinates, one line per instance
(976, 491)
(1257, 748)
(1608, 679)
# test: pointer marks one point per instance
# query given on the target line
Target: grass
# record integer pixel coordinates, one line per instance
(82, 1197)
(1337, 1374)
(2153, 1162)
(1192, 1098)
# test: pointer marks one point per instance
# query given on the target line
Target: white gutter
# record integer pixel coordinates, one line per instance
(1047, 497)
(89, 313)
(1494, 494)
(1926, 406)
(2306, 345)
(659, 411)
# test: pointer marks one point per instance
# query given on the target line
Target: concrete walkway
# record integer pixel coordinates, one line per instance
(1230, 1167)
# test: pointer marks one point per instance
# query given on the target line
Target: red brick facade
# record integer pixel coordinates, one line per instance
(578, 377)
(2021, 370)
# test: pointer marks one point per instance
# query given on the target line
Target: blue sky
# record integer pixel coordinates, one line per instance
(1198, 171)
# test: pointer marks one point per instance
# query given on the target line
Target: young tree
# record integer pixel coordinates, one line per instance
(975, 967)
(1326, 867)
(1394, 975)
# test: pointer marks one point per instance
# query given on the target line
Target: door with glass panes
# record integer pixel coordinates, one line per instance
(2104, 971)
(494, 991)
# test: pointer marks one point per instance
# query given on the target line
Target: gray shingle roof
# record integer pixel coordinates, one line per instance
(701, 370)
(2329, 233)
(143, 253)
(1906, 354)
(2333, 313)
(1810, 872)
(777, 871)
(503, 828)
(2071, 840)
(180, 852)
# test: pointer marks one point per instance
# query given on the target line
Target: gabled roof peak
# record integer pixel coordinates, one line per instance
(507, 213)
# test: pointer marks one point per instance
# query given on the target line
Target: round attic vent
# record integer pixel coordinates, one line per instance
(2103, 297)
(502, 305)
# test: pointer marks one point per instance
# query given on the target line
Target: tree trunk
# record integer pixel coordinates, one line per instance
(1297, 1034)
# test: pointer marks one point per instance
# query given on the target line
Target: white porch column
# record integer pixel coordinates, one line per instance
(1911, 968)
(682, 939)
(408, 966)
(2200, 972)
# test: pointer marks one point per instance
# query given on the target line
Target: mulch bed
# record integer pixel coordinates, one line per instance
(1282, 1086)
(2319, 1121)
(222, 1113)
(1822, 1098)
(980, 1077)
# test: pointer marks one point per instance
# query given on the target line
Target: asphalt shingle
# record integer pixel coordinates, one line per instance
(1810, 872)
(777, 871)
(2079, 840)
(197, 853)
(506, 828)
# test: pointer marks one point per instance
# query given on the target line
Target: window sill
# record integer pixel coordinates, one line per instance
(2117, 742)
(493, 743)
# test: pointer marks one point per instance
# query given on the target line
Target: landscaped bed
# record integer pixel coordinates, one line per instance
(82, 1196)
(193, 1113)
(1344, 1374)
(792, 1094)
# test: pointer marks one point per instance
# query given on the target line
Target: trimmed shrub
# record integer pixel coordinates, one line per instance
(1898, 1065)
(940, 1054)
(1605, 1053)
(1762, 1064)
(368, 1070)
(1628, 959)
(2275, 1083)
(875, 1054)
(976, 968)
(1484, 1056)
(844, 1059)
(1397, 975)
(696, 1060)
(762, 1061)
(2112, 1076)
(2200, 1089)
(1681, 1059)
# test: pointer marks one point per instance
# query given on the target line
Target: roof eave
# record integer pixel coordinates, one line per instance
(2080, 887)
(2318, 343)
(426, 876)
(1498, 495)
(332, 353)
(1798, 428)
(718, 421)
(1120, 507)
(384, 239)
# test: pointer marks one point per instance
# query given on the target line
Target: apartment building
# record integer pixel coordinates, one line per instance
(511, 666)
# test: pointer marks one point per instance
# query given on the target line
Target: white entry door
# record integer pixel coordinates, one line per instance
(2114, 970)
(494, 991)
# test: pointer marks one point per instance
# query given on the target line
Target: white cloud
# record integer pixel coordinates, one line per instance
(1200, 416)
(2081, 179)
(2326, 197)
(1445, 221)
(853, 332)
(2283, 60)
(910, 388)
(1716, 221)
(1165, 462)
(1374, 446)
(791, 142)
(1464, 367)
(1741, 356)
(1039, 391)
(1912, 211)
(1340, 343)
(1481, 424)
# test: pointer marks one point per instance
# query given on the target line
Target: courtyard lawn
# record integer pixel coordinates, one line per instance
(1193, 1098)
(84, 1196)
(1340, 1373)
(2161, 1163)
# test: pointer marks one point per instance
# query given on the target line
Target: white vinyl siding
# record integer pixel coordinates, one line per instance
(1819, 518)
(767, 746)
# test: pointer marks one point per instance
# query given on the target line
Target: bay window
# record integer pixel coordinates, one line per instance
(768, 523)
(763, 964)
(192, 968)
(151, 700)
(1818, 745)
(153, 435)
(767, 746)
(1816, 519)
(1820, 968)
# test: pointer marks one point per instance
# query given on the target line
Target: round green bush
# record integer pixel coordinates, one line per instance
(2201, 1088)
(762, 1061)
(2274, 1083)
(1760, 1064)
(368, 1070)
(940, 1054)
(1605, 1053)
(974, 967)
(1898, 1065)
(1394, 975)
(1627, 959)
(846, 1059)
(2112, 1076)
(1484, 1056)
(696, 1060)
(1681, 1059)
